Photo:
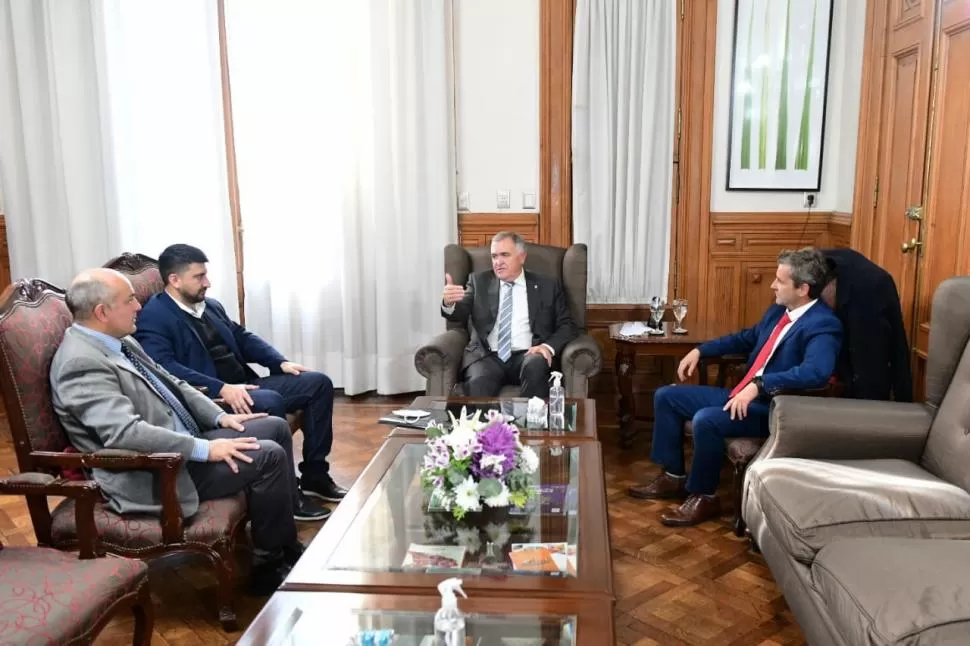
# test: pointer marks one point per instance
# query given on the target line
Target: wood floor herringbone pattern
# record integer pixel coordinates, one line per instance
(696, 586)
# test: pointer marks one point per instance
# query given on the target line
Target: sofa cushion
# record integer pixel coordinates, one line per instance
(897, 591)
(808, 503)
(947, 452)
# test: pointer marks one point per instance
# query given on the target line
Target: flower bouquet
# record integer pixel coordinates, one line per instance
(478, 462)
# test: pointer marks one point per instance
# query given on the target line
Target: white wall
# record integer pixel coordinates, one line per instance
(497, 96)
(841, 118)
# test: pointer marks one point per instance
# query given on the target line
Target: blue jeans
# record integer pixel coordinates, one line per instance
(674, 405)
(313, 392)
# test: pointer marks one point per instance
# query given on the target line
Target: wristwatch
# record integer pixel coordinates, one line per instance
(760, 383)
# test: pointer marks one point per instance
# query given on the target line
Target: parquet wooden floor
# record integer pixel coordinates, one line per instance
(699, 586)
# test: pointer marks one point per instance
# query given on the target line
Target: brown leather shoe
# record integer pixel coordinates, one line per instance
(665, 486)
(695, 510)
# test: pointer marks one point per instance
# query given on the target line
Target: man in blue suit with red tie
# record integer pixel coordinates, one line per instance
(794, 346)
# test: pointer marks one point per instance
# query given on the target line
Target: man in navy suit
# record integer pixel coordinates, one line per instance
(193, 338)
(795, 346)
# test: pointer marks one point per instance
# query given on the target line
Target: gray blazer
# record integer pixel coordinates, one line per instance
(104, 403)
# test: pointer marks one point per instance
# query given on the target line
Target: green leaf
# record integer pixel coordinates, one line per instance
(489, 487)
(433, 432)
(781, 152)
(456, 477)
(518, 499)
(801, 153)
(458, 512)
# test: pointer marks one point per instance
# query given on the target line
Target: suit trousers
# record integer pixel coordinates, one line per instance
(487, 376)
(312, 392)
(704, 406)
(268, 481)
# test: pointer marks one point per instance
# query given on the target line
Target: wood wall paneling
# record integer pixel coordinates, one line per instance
(477, 229)
(5, 277)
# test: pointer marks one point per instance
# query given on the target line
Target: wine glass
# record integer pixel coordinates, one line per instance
(680, 312)
(657, 308)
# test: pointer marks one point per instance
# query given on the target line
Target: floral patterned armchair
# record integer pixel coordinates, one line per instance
(52, 597)
(33, 318)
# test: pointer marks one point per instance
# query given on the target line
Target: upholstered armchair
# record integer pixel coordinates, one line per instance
(33, 319)
(146, 280)
(439, 362)
(53, 597)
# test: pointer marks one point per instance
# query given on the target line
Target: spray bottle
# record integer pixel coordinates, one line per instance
(557, 403)
(449, 622)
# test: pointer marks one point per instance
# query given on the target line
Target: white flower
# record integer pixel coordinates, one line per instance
(501, 499)
(468, 538)
(467, 422)
(492, 463)
(462, 442)
(466, 495)
(528, 460)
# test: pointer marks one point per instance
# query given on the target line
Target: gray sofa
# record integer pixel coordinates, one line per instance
(439, 362)
(861, 508)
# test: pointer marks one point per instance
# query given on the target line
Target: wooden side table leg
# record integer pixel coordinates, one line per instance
(626, 410)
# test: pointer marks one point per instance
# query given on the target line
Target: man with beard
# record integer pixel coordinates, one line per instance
(192, 337)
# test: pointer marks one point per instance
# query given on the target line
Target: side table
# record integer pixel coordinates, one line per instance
(666, 345)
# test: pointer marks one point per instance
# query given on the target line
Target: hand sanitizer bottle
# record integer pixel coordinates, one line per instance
(449, 622)
(557, 403)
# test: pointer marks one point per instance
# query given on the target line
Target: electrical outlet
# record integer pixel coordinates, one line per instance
(809, 200)
(463, 201)
(503, 199)
(528, 200)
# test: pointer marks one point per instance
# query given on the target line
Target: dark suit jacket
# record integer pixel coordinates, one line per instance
(805, 357)
(548, 313)
(169, 338)
(874, 362)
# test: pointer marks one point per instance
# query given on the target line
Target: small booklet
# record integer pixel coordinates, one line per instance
(538, 557)
(424, 557)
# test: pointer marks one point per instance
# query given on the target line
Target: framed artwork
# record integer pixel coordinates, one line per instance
(779, 78)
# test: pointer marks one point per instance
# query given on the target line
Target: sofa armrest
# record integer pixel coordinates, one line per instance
(846, 429)
(167, 464)
(439, 361)
(581, 359)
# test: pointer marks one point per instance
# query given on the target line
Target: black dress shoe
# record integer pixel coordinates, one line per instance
(309, 510)
(266, 576)
(292, 553)
(322, 487)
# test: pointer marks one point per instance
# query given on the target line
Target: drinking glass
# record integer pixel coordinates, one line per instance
(680, 312)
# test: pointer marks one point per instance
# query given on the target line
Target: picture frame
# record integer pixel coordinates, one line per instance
(779, 90)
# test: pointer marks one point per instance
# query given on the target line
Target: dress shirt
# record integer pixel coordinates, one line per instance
(793, 316)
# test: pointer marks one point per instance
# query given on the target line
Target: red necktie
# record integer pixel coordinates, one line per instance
(762, 358)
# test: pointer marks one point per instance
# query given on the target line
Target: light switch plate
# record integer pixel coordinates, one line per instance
(503, 200)
(528, 200)
(463, 201)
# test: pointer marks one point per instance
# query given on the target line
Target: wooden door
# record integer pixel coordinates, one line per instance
(946, 249)
(894, 131)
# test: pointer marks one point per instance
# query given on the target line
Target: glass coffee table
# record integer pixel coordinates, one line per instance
(385, 536)
(580, 416)
(311, 618)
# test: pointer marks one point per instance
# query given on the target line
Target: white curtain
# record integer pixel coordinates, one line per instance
(342, 114)
(624, 69)
(111, 134)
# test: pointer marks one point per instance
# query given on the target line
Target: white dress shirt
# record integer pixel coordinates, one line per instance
(195, 310)
(793, 315)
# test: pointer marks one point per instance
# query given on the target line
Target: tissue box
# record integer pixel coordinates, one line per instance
(536, 413)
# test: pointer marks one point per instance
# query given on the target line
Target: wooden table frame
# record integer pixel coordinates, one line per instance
(594, 562)
(585, 419)
(594, 617)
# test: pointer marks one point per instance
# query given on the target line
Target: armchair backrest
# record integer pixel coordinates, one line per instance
(947, 452)
(33, 319)
(568, 266)
(142, 271)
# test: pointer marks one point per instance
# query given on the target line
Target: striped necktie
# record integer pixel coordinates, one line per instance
(180, 411)
(505, 324)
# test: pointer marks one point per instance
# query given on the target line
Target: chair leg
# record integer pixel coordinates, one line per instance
(144, 611)
(737, 487)
(225, 570)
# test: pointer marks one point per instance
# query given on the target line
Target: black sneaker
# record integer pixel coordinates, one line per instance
(322, 487)
(309, 510)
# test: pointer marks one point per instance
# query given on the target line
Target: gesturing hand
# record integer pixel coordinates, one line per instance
(452, 293)
(235, 422)
(224, 450)
(237, 397)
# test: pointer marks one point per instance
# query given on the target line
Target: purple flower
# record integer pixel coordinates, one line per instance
(437, 455)
(498, 449)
